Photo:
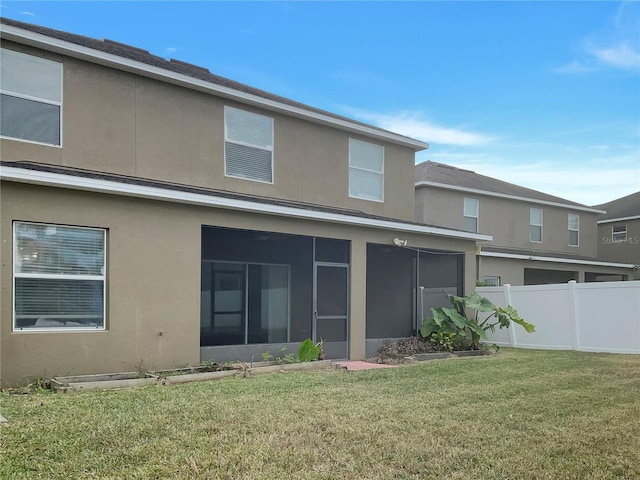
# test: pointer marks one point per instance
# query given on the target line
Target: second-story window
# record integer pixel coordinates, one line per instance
(619, 233)
(535, 225)
(30, 98)
(248, 145)
(366, 170)
(574, 230)
(470, 215)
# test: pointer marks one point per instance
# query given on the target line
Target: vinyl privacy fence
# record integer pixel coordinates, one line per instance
(590, 317)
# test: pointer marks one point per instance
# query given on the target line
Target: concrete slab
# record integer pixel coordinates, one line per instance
(359, 365)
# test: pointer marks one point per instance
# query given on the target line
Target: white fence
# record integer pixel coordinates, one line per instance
(591, 317)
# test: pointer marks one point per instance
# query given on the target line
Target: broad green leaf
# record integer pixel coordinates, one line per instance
(515, 318)
(478, 303)
(308, 351)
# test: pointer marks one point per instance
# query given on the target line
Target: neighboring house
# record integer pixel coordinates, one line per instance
(156, 214)
(619, 231)
(537, 238)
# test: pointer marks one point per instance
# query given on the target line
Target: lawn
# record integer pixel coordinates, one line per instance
(516, 415)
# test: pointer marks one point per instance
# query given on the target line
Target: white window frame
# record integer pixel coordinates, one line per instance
(362, 169)
(11, 93)
(620, 232)
(228, 140)
(492, 279)
(59, 276)
(531, 224)
(577, 230)
(475, 216)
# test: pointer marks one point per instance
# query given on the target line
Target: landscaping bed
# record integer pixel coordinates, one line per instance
(178, 375)
(419, 349)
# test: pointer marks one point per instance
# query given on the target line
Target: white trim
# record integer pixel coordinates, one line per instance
(555, 260)
(569, 229)
(425, 183)
(22, 175)
(49, 276)
(363, 169)
(77, 51)
(621, 219)
(32, 98)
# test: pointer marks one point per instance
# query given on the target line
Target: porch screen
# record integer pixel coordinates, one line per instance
(244, 303)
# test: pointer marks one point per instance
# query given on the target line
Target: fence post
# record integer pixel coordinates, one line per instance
(573, 320)
(507, 301)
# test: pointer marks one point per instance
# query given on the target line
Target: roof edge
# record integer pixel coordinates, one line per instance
(23, 175)
(584, 208)
(541, 258)
(620, 219)
(45, 42)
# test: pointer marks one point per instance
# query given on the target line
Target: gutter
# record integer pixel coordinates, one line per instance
(557, 260)
(35, 177)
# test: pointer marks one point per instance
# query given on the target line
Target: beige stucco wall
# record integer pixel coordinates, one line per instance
(153, 279)
(511, 271)
(623, 252)
(118, 122)
(508, 221)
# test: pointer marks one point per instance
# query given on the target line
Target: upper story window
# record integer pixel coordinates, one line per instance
(30, 98)
(470, 215)
(535, 225)
(619, 233)
(248, 145)
(59, 277)
(366, 170)
(574, 230)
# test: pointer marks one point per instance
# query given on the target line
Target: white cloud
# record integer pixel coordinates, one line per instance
(28, 14)
(618, 56)
(172, 49)
(589, 185)
(413, 125)
(574, 67)
(616, 45)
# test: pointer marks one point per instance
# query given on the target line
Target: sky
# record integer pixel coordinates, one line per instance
(542, 94)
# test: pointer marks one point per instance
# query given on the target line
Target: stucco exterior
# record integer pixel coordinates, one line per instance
(153, 279)
(119, 122)
(503, 211)
(628, 250)
(142, 157)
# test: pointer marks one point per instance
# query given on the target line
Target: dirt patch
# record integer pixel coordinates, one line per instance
(400, 351)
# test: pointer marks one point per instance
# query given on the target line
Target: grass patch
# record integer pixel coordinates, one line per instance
(520, 414)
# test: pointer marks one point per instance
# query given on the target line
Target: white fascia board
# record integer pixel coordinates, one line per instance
(425, 183)
(621, 219)
(70, 49)
(556, 260)
(22, 175)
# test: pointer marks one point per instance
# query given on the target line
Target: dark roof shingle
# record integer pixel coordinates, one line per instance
(458, 177)
(623, 207)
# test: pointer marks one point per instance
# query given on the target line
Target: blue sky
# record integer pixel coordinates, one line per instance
(542, 94)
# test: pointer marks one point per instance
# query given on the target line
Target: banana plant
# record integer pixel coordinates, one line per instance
(455, 321)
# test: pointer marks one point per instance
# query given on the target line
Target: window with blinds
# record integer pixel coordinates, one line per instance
(59, 277)
(366, 170)
(470, 214)
(574, 229)
(535, 225)
(30, 98)
(248, 146)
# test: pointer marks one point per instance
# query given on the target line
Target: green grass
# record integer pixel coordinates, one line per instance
(517, 415)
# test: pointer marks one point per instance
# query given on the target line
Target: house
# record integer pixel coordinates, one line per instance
(537, 238)
(156, 214)
(619, 231)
